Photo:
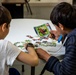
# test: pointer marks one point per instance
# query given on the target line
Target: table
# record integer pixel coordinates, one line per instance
(19, 28)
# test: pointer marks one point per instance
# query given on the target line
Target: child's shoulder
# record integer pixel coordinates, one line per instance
(3, 42)
(72, 33)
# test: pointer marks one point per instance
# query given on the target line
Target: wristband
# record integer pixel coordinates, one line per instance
(29, 45)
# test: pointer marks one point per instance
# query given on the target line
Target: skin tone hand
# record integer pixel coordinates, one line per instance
(25, 45)
(42, 54)
(29, 58)
(54, 34)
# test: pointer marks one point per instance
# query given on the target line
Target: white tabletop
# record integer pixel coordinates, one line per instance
(19, 28)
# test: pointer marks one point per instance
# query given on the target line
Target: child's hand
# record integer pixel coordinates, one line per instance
(26, 45)
(42, 54)
(53, 34)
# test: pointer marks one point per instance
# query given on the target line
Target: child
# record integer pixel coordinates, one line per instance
(63, 16)
(8, 52)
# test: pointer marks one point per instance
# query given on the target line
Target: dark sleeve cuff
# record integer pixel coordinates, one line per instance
(50, 63)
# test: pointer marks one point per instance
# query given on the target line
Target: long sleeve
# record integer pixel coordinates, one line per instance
(68, 65)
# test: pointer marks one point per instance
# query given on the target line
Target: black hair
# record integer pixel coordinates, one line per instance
(5, 16)
(65, 14)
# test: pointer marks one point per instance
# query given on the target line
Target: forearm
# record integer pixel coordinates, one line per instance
(31, 57)
(46, 57)
(32, 52)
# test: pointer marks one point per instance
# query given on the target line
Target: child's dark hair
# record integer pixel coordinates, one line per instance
(5, 16)
(65, 14)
